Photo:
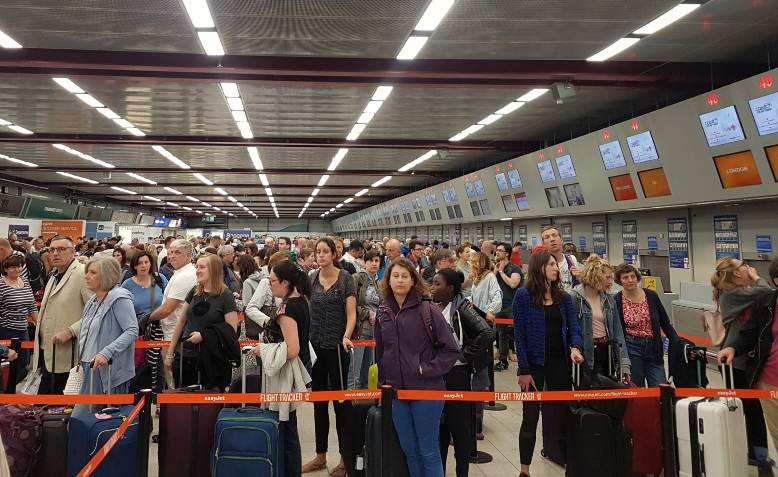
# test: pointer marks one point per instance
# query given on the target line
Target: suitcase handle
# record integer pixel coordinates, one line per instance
(731, 402)
(243, 352)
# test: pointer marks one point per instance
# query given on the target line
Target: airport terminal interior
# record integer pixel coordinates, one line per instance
(642, 133)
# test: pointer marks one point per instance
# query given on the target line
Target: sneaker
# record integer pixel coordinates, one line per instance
(501, 366)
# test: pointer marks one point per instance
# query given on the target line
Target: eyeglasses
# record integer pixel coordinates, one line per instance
(60, 249)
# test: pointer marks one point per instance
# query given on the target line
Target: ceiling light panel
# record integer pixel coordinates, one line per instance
(20, 130)
(123, 191)
(532, 94)
(199, 13)
(433, 15)
(8, 42)
(202, 178)
(141, 178)
(509, 108)
(78, 178)
(614, 49)
(668, 18)
(173, 191)
(69, 86)
(86, 157)
(89, 100)
(17, 161)
(256, 161)
(412, 47)
(171, 157)
(381, 181)
(211, 43)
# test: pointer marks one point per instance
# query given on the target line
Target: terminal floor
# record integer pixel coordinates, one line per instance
(501, 430)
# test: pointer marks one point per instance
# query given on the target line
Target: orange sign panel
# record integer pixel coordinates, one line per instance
(68, 228)
(623, 188)
(737, 170)
(772, 156)
(654, 182)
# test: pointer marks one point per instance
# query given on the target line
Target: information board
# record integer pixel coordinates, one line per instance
(722, 126)
(764, 244)
(612, 156)
(565, 166)
(502, 182)
(629, 240)
(726, 237)
(678, 242)
(515, 178)
(599, 239)
(642, 147)
(567, 232)
(546, 171)
(523, 236)
(765, 112)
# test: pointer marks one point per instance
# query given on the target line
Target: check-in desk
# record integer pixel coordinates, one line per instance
(688, 310)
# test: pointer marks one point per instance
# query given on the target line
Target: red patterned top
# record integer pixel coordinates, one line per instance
(637, 318)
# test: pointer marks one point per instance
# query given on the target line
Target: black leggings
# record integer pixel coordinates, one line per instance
(756, 429)
(549, 378)
(293, 458)
(325, 378)
(458, 421)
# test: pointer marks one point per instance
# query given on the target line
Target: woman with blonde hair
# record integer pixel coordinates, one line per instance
(603, 336)
(209, 326)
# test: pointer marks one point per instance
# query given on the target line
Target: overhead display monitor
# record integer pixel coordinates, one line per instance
(485, 208)
(508, 204)
(446, 197)
(521, 200)
(654, 182)
(469, 189)
(722, 126)
(642, 147)
(772, 156)
(623, 188)
(480, 191)
(554, 196)
(574, 194)
(611, 154)
(161, 221)
(546, 171)
(452, 194)
(765, 112)
(515, 178)
(475, 208)
(737, 170)
(565, 166)
(502, 182)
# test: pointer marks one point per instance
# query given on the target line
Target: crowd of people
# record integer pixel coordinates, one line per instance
(430, 307)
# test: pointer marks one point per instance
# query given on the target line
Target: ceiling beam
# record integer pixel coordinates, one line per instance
(257, 187)
(346, 71)
(204, 141)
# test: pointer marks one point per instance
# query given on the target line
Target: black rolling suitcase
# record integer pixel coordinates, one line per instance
(354, 416)
(382, 455)
(553, 416)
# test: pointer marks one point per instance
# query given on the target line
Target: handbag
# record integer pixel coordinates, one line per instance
(32, 382)
(76, 374)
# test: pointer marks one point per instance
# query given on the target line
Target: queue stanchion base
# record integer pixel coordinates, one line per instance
(481, 457)
(495, 406)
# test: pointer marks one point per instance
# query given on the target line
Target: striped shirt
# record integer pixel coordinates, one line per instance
(16, 304)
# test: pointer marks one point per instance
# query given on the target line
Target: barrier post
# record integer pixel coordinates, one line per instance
(387, 428)
(13, 368)
(145, 425)
(669, 446)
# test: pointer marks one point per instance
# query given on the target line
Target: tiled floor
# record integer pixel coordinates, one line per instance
(500, 428)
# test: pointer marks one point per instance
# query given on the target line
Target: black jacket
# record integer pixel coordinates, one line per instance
(219, 352)
(472, 332)
(659, 320)
(756, 337)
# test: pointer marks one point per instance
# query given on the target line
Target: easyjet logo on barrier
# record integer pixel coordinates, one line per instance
(214, 398)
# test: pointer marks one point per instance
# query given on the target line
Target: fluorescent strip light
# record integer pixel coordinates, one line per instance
(19, 129)
(173, 191)
(272, 200)
(348, 200)
(89, 100)
(8, 42)
(505, 219)
(199, 14)
(490, 119)
(310, 199)
(239, 116)
(231, 198)
(235, 104)
(532, 94)
(199, 212)
(207, 204)
(373, 106)
(172, 204)
(339, 205)
(220, 191)
(245, 130)
(381, 181)
(255, 159)
(361, 193)
(108, 113)
(332, 209)
(382, 92)
(136, 132)
(337, 159)
(93, 160)
(140, 178)
(322, 181)
(216, 208)
(123, 123)
(186, 208)
(152, 198)
(230, 90)
(667, 18)
(509, 108)
(18, 161)
(472, 129)
(193, 199)
(620, 45)
(123, 191)
(211, 43)
(3, 122)
(356, 130)
(202, 178)
(268, 191)
(263, 180)
(170, 157)
(412, 47)
(69, 86)
(78, 178)
(277, 216)
(315, 192)
(433, 15)
(365, 118)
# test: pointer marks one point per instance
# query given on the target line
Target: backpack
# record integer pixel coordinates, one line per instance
(573, 280)
(429, 327)
(36, 271)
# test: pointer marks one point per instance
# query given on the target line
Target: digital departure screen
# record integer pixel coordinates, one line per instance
(508, 203)
(502, 182)
(642, 147)
(480, 191)
(469, 189)
(521, 200)
(612, 156)
(546, 171)
(722, 126)
(515, 178)
(574, 194)
(554, 196)
(161, 221)
(565, 166)
(765, 112)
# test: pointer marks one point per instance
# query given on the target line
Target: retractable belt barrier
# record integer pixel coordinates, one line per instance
(143, 344)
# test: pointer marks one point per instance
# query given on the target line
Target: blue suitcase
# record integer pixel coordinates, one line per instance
(247, 441)
(87, 435)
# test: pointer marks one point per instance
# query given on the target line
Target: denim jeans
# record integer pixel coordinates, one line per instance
(92, 384)
(23, 360)
(363, 358)
(418, 427)
(645, 371)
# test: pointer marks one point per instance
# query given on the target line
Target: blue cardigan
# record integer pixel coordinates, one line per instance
(529, 328)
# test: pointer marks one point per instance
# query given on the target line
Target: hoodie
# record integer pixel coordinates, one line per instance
(734, 308)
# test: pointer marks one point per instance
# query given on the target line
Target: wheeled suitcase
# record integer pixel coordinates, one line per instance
(53, 453)
(247, 440)
(711, 436)
(353, 415)
(553, 423)
(186, 435)
(643, 420)
(382, 455)
(88, 434)
(20, 430)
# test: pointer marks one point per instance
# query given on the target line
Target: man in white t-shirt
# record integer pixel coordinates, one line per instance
(569, 271)
(180, 284)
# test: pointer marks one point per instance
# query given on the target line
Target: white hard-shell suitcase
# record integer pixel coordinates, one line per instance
(711, 436)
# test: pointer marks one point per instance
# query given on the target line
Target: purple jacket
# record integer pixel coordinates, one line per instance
(412, 362)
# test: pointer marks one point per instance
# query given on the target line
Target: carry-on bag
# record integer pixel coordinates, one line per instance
(353, 415)
(382, 455)
(88, 434)
(643, 420)
(686, 362)
(711, 435)
(186, 434)
(553, 416)
(247, 439)
(20, 430)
